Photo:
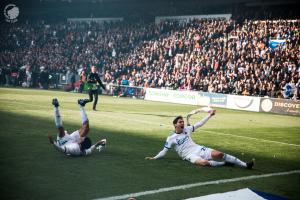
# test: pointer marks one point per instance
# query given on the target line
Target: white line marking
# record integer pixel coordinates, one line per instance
(251, 138)
(182, 187)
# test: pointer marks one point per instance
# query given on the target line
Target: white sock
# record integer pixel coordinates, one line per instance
(57, 118)
(215, 163)
(234, 160)
(83, 115)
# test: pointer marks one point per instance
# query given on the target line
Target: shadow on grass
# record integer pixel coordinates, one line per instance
(33, 169)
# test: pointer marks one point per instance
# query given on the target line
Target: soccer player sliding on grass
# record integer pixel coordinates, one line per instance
(77, 143)
(188, 150)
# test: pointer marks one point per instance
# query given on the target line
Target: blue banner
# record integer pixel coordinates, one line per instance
(216, 99)
(273, 44)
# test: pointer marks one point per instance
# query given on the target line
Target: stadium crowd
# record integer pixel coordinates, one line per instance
(210, 55)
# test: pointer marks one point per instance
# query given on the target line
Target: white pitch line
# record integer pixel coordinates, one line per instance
(251, 138)
(182, 187)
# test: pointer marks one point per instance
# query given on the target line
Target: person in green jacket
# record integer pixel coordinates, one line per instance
(94, 82)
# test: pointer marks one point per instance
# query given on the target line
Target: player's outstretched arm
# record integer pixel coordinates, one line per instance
(204, 120)
(198, 110)
(149, 158)
(212, 112)
(161, 154)
(54, 143)
(100, 145)
(101, 142)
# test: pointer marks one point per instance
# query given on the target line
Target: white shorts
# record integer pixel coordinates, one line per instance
(202, 152)
(69, 138)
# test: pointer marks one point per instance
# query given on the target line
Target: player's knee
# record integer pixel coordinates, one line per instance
(217, 154)
(86, 127)
(220, 154)
(61, 132)
(84, 130)
(202, 162)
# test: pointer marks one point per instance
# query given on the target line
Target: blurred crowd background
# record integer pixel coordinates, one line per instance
(235, 56)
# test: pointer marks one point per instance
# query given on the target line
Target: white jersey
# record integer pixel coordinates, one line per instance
(69, 144)
(73, 149)
(183, 143)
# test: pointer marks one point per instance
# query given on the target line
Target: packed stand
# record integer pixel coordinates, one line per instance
(217, 56)
(213, 55)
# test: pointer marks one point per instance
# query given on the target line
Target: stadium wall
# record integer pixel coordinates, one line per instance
(175, 96)
(99, 20)
(247, 103)
(187, 18)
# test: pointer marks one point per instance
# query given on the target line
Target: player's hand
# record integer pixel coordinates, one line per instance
(101, 142)
(212, 112)
(98, 143)
(149, 158)
(50, 139)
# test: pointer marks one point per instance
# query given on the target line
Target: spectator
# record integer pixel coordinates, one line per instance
(216, 55)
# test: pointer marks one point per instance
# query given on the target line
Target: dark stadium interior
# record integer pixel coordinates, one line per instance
(56, 10)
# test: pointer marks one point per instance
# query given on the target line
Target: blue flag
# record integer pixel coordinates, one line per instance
(273, 44)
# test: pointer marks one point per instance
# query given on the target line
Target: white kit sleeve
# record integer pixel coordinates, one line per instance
(161, 154)
(90, 150)
(201, 123)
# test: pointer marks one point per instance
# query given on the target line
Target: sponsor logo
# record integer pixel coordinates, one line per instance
(215, 99)
(11, 12)
(287, 105)
(181, 141)
(282, 106)
(184, 95)
(218, 100)
(266, 105)
(158, 93)
(243, 102)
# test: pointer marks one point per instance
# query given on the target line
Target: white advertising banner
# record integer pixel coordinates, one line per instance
(243, 103)
(187, 18)
(174, 96)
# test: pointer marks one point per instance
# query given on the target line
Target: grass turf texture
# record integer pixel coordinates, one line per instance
(32, 169)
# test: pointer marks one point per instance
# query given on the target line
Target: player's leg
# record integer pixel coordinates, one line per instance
(231, 159)
(206, 157)
(96, 99)
(203, 162)
(197, 159)
(57, 118)
(83, 131)
(217, 154)
(90, 96)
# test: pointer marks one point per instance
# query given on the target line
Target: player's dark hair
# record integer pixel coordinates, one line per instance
(176, 119)
(87, 143)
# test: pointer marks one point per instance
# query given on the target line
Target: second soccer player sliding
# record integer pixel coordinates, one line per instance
(188, 150)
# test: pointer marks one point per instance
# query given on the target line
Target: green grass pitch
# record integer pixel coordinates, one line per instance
(32, 169)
